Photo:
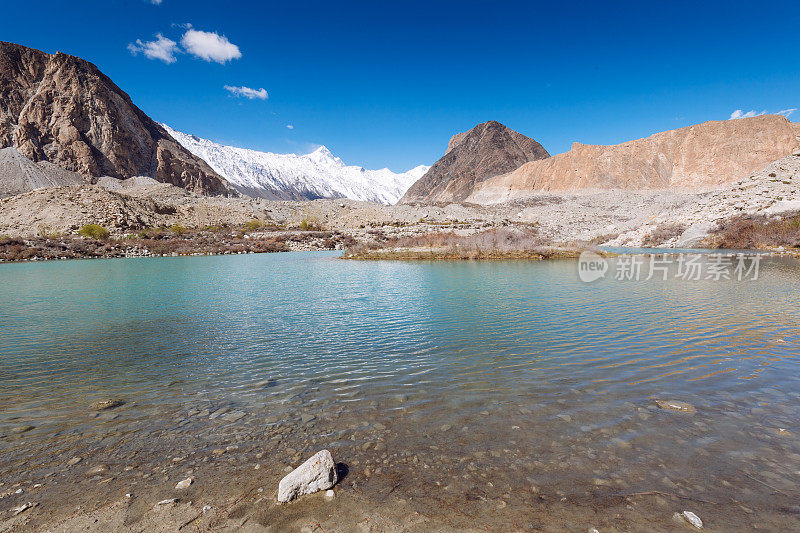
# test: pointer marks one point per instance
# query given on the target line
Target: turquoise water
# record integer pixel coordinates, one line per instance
(409, 355)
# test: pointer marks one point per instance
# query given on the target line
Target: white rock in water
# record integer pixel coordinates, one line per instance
(318, 473)
(184, 484)
(693, 519)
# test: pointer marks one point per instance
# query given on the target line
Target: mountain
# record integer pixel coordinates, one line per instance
(19, 174)
(62, 109)
(696, 158)
(487, 150)
(298, 177)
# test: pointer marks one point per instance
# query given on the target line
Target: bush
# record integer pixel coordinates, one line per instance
(310, 225)
(178, 229)
(748, 232)
(252, 225)
(94, 231)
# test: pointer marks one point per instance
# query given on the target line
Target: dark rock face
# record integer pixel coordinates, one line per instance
(62, 109)
(487, 150)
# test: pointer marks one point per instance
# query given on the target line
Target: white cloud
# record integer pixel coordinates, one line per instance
(290, 126)
(162, 48)
(156, 2)
(753, 113)
(247, 92)
(210, 46)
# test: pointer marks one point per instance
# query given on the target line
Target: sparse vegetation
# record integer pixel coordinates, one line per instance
(310, 224)
(753, 232)
(218, 240)
(252, 225)
(663, 233)
(94, 231)
(502, 243)
(178, 229)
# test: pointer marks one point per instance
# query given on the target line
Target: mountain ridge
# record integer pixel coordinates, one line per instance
(486, 150)
(318, 174)
(63, 109)
(698, 157)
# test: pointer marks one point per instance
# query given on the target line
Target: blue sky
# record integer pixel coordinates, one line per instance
(384, 83)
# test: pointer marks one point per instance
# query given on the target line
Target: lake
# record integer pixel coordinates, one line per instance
(480, 394)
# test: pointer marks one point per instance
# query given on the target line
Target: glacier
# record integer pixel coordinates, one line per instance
(319, 174)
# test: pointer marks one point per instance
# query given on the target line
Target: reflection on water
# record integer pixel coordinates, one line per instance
(512, 370)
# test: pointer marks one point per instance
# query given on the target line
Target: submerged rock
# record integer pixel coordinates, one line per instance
(691, 518)
(97, 470)
(24, 507)
(676, 405)
(184, 484)
(317, 473)
(105, 405)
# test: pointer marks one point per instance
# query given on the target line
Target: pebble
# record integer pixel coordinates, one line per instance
(693, 519)
(22, 508)
(167, 502)
(22, 429)
(445, 427)
(218, 413)
(184, 484)
(235, 416)
(75, 460)
(330, 495)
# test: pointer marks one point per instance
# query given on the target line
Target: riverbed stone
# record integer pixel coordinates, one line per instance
(97, 470)
(105, 405)
(317, 473)
(676, 405)
(691, 518)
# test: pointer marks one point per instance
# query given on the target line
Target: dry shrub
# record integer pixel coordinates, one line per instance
(485, 243)
(756, 231)
(663, 233)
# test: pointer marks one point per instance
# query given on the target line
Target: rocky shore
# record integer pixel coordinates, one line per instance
(218, 467)
(138, 215)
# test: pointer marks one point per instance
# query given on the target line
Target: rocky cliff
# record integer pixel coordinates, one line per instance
(487, 150)
(696, 158)
(62, 109)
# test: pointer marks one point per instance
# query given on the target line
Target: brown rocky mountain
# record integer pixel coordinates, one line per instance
(62, 109)
(487, 150)
(696, 158)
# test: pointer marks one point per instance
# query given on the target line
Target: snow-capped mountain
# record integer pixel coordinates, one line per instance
(319, 174)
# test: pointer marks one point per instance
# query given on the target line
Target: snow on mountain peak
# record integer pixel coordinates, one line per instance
(319, 174)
